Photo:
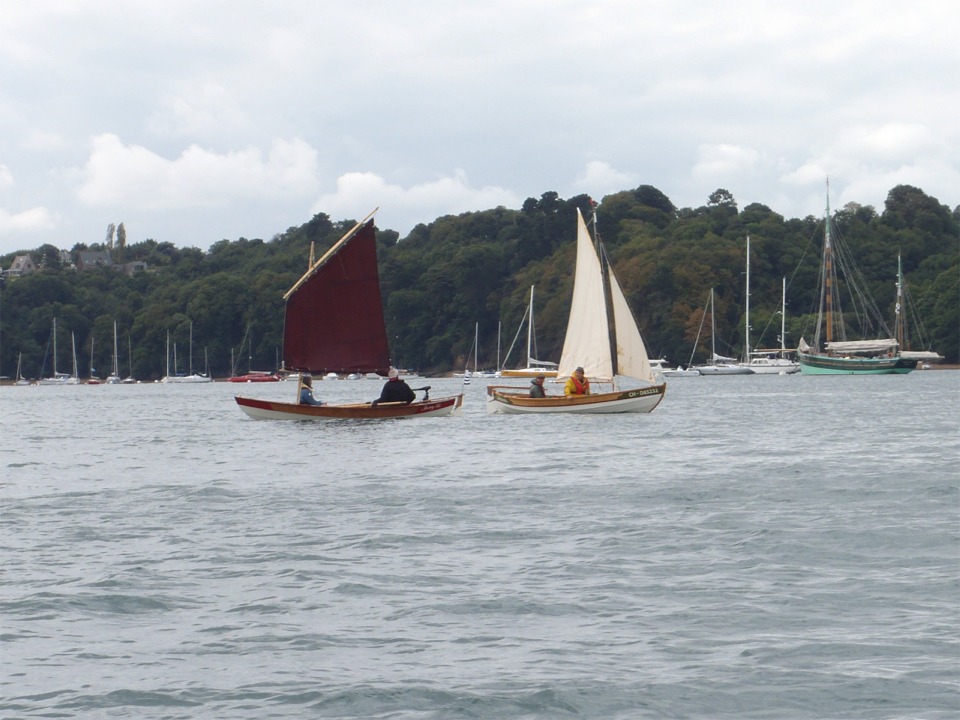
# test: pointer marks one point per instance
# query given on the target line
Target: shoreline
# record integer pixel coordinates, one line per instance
(9, 382)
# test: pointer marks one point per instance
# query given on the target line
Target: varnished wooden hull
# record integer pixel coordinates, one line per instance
(272, 410)
(513, 401)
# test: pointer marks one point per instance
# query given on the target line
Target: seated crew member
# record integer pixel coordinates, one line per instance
(306, 391)
(536, 387)
(577, 384)
(395, 390)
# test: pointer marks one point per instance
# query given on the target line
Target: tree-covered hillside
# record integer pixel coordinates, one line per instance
(477, 268)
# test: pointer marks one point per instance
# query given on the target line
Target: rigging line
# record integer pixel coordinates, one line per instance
(233, 370)
(696, 342)
(909, 309)
(867, 311)
(515, 337)
(466, 364)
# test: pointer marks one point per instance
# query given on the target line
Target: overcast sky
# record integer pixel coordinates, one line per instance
(192, 121)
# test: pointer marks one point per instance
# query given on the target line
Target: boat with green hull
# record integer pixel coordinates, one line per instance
(826, 365)
(879, 354)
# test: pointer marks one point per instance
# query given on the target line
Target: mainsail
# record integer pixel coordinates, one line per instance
(334, 316)
(588, 340)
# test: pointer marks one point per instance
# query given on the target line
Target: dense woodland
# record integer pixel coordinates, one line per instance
(477, 268)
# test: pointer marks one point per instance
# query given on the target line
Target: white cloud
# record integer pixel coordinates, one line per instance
(6, 178)
(892, 142)
(358, 193)
(599, 179)
(37, 140)
(716, 162)
(239, 115)
(28, 221)
(865, 162)
(133, 176)
(204, 111)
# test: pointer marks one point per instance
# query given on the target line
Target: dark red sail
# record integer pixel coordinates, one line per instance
(334, 317)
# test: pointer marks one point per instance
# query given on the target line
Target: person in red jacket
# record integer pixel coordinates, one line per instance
(577, 384)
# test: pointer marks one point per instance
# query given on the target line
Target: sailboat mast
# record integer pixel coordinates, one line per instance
(713, 332)
(530, 329)
(828, 270)
(746, 345)
(54, 347)
(116, 360)
(607, 293)
(73, 348)
(899, 319)
(783, 320)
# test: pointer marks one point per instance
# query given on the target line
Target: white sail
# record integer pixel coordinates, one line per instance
(587, 342)
(632, 358)
(590, 344)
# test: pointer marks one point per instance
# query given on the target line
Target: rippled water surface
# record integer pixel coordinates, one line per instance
(758, 547)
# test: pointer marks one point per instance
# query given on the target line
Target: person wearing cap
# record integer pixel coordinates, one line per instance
(395, 390)
(306, 391)
(577, 384)
(536, 387)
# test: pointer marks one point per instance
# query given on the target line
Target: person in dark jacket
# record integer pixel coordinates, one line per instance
(306, 391)
(536, 387)
(395, 390)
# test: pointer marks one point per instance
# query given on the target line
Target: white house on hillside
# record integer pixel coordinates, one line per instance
(22, 265)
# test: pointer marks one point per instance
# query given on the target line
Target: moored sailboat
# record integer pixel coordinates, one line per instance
(130, 379)
(605, 344)
(114, 377)
(333, 323)
(769, 362)
(20, 379)
(93, 379)
(251, 376)
(534, 366)
(192, 377)
(832, 353)
(904, 312)
(719, 364)
(57, 378)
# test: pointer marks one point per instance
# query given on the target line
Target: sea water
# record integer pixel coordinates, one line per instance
(757, 547)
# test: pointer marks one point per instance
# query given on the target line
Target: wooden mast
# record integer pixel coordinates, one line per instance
(607, 295)
(828, 270)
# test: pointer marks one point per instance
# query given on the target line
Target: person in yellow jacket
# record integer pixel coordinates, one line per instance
(577, 384)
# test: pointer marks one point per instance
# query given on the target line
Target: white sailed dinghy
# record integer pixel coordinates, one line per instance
(605, 344)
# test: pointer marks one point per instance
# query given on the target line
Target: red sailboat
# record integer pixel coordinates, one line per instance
(333, 323)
